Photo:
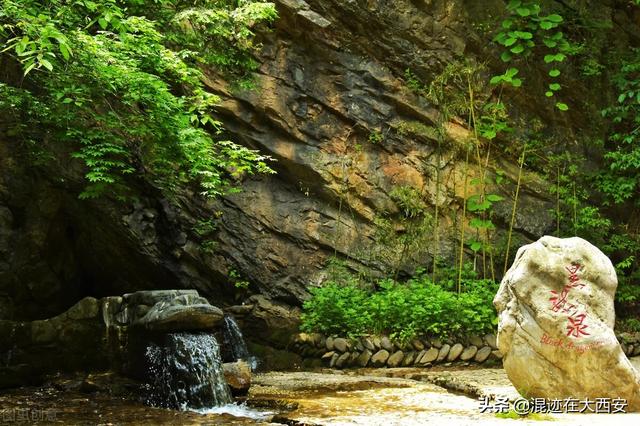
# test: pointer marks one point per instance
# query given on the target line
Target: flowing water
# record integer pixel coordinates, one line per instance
(234, 344)
(186, 372)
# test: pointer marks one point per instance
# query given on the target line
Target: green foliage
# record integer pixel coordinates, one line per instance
(119, 82)
(376, 137)
(528, 32)
(236, 279)
(403, 310)
(620, 181)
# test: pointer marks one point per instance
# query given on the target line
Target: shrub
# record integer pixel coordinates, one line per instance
(403, 310)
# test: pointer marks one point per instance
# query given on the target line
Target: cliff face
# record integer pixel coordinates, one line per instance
(332, 108)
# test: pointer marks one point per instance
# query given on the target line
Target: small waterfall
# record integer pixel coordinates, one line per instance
(234, 344)
(186, 372)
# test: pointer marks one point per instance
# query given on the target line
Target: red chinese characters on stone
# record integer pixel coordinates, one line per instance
(576, 327)
(560, 303)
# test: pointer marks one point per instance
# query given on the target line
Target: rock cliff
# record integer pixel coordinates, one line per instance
(332, 107)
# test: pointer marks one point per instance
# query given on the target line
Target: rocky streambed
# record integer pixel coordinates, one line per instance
(394, 396)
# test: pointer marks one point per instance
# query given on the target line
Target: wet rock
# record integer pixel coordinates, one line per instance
(556, 318)
(379, 359)
(482, 354)
(468, 353)
(444, 351)
(454, 352)
(395, 359)
(364, 358)
(238, 377)
(182, 313)
(340, 344)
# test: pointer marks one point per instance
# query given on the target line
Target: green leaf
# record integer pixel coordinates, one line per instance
(475, 245)
(555, 18)
(508, 42)
(496, 79)
(494, 197)
(523, 11)
(554, 72)
(562, 106)
(511, 72)
(103, 23)
(64, 50)
(507, 23)
(548, 94)
(517, 49)
(506, 56)
(549, 58)
(545, 25)
(554, 86)
(525, 35)
(550, 43)
(516, 82)
(622, 97)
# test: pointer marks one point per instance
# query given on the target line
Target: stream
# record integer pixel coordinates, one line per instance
(323, 397)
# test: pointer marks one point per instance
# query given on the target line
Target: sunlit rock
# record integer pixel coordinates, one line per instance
(556, 324)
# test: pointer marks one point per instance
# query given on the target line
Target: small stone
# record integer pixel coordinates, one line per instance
(321, 344)
(483, 354)
(380, 358)
(429, 356)
(629, 350)
(455, 352)
(358, 346)
(636, 350)
(476, 341)
(490, 339)
(419, 357)
(328, 356)
(340, 344)
(363, 358)
(367, 343)
(395, 359)
(408, 359)
(329, 343)
(444, 351)
(333, 361)
(238, 377)
(343, 359)
(496, 354)
(386, 344)
(354, 356)
(417, 345)
(376, 343)
(468, 353)
(436, 343)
